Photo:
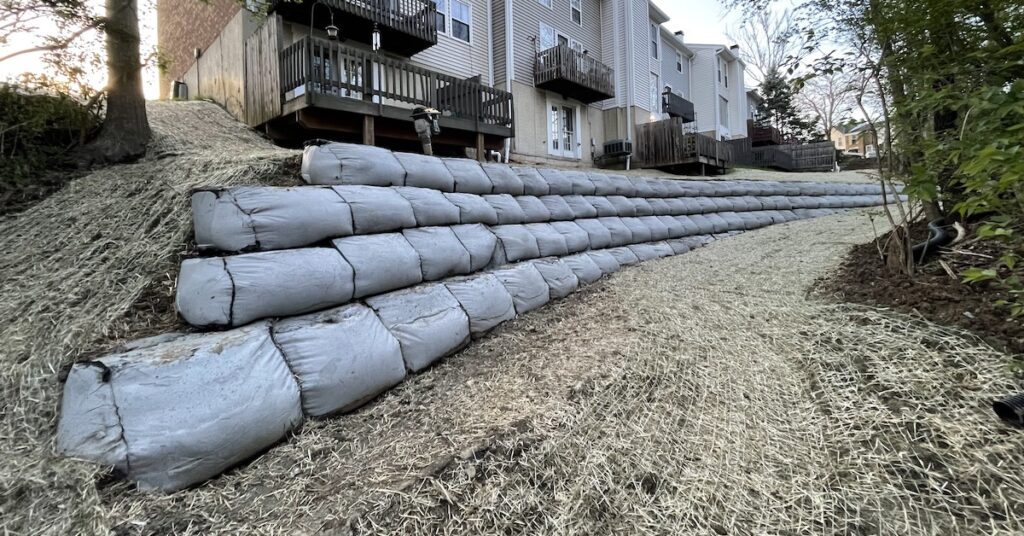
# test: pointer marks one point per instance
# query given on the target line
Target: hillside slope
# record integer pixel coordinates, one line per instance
(77, 274)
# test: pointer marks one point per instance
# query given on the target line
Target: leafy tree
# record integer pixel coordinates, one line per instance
(778, 110)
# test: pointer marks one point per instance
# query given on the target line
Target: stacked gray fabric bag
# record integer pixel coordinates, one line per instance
(384, 264)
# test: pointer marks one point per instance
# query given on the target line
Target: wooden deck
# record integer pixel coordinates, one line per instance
(573, 74)
(316, 74)
(406, 26)
(669, 144)
(790, 157)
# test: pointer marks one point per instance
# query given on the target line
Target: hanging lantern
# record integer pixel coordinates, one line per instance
(375, 43)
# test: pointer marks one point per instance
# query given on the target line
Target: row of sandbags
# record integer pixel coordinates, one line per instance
(266, 218)
(236, 290)
(344, 163)
(174, 410)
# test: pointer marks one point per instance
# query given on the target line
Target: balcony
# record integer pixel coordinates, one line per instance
(406, 26)
(760, 135)
(676, 106)
(573, 75)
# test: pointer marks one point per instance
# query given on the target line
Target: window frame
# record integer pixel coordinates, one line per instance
(550, 4)
(448, 20)
(656, 89)
(655, 39)
(579, 9)
(679, 62)
(723, 112)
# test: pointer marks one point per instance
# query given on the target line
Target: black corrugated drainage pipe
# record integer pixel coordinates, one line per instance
(1010, 409)
(939, 237)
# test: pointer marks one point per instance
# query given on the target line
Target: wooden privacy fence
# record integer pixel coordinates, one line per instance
(331, 68)
(262, 78)
(670, 142)
(795, 157)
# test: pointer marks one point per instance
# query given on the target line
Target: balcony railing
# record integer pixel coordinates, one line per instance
(406, 26)
(573, 74)
(760, 135)
(331, 73)
(676, 106)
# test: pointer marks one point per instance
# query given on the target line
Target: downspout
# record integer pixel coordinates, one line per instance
(630, 79)
(509, 67)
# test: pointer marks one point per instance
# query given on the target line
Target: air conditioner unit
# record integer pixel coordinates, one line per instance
(618, 147)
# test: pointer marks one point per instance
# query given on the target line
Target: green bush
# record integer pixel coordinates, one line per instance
(37, 131)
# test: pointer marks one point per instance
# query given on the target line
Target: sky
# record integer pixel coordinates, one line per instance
(703, 21)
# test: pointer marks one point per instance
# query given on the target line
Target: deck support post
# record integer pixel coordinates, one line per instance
(368, 135)
(480, 154)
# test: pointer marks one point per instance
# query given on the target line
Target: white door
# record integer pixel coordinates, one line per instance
(563, 138)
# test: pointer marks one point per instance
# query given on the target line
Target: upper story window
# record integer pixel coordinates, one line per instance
(654, 41)
(679, 62)
(576, 11)
(725, 75)
(550, 37)
(719, 70)
(454, 18)
(545, 3)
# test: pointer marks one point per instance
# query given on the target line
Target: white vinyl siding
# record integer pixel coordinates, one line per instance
(528, 15)
(455, 56)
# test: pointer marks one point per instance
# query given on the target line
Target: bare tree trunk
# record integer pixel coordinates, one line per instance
(125, 131)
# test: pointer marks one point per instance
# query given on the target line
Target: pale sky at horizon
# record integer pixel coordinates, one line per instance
(703, 21)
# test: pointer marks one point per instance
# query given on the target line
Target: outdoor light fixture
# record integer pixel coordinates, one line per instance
(331, 29)
(375, 42)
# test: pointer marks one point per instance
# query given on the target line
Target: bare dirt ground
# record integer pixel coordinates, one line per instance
(708, 393)
(701, 394)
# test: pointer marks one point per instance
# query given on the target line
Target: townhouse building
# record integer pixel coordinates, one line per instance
(543, 80)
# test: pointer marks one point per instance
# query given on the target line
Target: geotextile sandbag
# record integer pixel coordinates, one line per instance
(248, 218)
(624, 206)
(557, 207)
(430, 207)
(528, 288)
(576, 239)
(673, 226)
(170, 412)
(486, 301)
(473, 208)
(599, 235)
(733, 220)
(440, 251)
(639, 231)
(624, 256)
(644, 252)
(503, 179)
(707, 205)
(623, 186)
(479, 241)
(232, 291)
(689, 227)
(341, 357)
(605, 261)
(659, 231)
(376, 209)
(602, 206)
(659, 188)
(643, 208)
(348, 163)
(581, 183)
(603, 185)
(558, 183)
(534, 210)
(704, 223)
(641, 187)
(380, 262)
(679, 246)
(549, 241)
(559, 277)
(583, 266)
(516, 243)
(506, 208)
(659, 206)
(423, 171)
(580, 207)
(427, 320)
(620, 233)
(469, 176)
(533, 183)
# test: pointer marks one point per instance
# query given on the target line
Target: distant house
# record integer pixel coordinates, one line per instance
(855, 139)
(719, 91)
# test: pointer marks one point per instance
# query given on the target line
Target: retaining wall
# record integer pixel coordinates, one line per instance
(395, 262)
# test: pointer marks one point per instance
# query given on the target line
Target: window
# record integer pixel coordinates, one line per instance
(719, 71)
(545, 3)
(723, 112)
(679, 62)
(654, 41)
(454, 18)
(442, 16)
(562, 129)
(460, 20)
(548, 37)
(576, 11)
(725, 76)
(655, 94)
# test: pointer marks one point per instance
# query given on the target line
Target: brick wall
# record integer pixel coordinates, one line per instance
(184, 25)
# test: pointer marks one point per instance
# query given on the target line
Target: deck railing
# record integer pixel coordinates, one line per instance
(330, 68)
(562, 63)
(676, 106)
(413, 17)
(671, 142)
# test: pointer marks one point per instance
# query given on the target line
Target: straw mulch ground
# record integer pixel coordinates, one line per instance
(94, 262)
(707, 393)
